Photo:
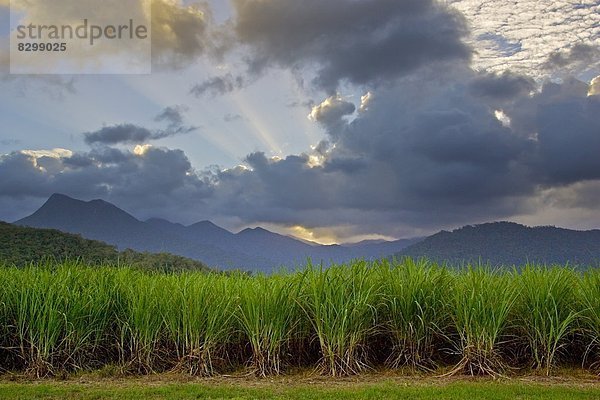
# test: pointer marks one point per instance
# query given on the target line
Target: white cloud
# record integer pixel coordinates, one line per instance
(594, 87)
(521, 35)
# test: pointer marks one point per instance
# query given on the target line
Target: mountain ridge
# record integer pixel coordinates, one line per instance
(509, 243)
(251, 249)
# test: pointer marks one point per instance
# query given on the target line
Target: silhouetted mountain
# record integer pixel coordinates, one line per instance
(22, 246)
(250, 249)
(103, 221)
(507, 243)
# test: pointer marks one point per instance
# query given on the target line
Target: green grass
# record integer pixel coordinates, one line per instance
(589, 297)
(269, 318)
(414, 310)
(481, 305)
(58, 319)
(197, 315)
(383, 389)
(548, 312)
(341, 304)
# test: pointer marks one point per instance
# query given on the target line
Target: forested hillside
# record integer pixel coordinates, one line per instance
(506, 243)
(22, 245)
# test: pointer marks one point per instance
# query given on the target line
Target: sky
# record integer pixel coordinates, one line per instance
(334, 121)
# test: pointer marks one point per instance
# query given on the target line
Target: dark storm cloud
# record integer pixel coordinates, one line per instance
(362, 42)
(130, 133)
(218, 85)
(503, 86)
(566, 124)
(144, 182)
(427, 153)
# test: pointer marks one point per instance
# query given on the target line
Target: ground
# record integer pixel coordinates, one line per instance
(564, 385)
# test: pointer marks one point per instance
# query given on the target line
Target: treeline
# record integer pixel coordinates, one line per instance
(344, 320)
(508, 244)
(21, 246)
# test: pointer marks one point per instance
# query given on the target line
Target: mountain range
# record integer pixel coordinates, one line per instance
(251, 249)
(257, 249)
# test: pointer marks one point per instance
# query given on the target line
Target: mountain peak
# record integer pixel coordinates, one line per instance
(205, 224)
(257, 230)
(68, 214)
(59, 197)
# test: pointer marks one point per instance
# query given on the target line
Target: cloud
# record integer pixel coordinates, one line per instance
(123, 133)
(525, 36)
(360, 42)
(432, 144)
(130, 133)
(427, 154)
(175, 120)
(578, 56)
(233, 118)
(502, 86)
(218, 85)
(565, 124)
(144, 180)
(594, 87)
(331, 111)
(182, 33)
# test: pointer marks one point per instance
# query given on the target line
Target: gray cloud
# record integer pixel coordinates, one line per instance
(565, 122)
(233, 118)
(130, 133)
(504, 86)
(428, 153)
(362, 42)
(173, 116)
(123, 133)
(576, 56)
(144, 181)
(218, 85)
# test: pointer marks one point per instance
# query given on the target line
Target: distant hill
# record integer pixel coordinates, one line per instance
(251, 249)
(506, 243)
(100, 220)
(23, 245)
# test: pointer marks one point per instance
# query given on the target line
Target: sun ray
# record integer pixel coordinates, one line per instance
(257, 123)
